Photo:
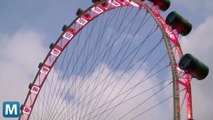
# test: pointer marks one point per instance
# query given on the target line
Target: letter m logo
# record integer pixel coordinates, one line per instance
(11, 109)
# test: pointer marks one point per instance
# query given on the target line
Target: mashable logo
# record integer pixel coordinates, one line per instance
(11, 109)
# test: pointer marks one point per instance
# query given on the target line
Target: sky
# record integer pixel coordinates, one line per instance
(28, 27)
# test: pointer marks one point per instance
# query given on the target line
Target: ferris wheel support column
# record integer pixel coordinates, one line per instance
(176, 96)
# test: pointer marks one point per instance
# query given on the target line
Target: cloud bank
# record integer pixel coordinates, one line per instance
(20, 54)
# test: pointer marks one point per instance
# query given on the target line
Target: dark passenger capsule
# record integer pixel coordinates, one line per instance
(179, 23)
(193, 66)
(51, 45)
(95, 1)
(40, 65)
(162, 4)
(79, 12)
(64, 28)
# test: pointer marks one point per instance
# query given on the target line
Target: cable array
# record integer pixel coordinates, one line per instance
(115, 68)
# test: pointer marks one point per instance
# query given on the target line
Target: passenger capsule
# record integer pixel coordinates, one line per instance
(64, 28)
(30, 85)
(40, 65)
(95, 1)
(179, 23)
(22, 107)
(79, 12)
(162, 4)
(51, 45)
(193, 66)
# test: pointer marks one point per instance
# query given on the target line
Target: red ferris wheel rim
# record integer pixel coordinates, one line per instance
(79, 23)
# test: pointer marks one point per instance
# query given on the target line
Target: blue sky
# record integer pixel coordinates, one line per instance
(28, 27)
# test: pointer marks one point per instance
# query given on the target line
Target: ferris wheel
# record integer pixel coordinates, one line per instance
(118, 60)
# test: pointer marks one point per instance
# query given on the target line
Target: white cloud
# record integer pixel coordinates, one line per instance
(199, 43)
(20, 54)
(160, 112)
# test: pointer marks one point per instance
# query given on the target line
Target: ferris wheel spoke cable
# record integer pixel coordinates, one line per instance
(156, 105)
(131, 67)
(122, 59)
(122, 46)
(128, 64)
(63, 89)
(117, 96)
(52, 83)
(73, 60)
(133, 88)
(155, 93)
(77, 89)
(82, 69)
(139, 93)
(98, 54)
(143, 92)
(100, 60)
(128, 91)
(88, 38)
(37, 112)
(99, 57)
(57, 93)
(76, 60)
